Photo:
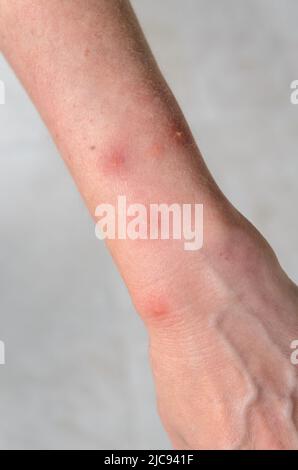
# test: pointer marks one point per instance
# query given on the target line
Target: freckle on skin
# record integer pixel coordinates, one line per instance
(180, 137)
(180, 134)
(92, 147)
(156, 150)
(87, 52)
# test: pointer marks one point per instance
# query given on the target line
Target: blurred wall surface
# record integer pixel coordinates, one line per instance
(76, 373)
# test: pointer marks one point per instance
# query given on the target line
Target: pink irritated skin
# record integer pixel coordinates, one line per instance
(220, 320)
(114, 165)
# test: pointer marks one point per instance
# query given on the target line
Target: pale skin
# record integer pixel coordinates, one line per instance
(221, 319)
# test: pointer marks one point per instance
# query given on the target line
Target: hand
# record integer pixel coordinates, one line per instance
(221, 357)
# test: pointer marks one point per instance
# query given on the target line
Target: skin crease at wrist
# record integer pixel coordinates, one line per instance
(90, 73)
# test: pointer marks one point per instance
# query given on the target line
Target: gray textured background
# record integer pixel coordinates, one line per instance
(77, 373)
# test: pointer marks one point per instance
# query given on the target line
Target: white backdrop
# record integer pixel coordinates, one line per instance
(76, 373)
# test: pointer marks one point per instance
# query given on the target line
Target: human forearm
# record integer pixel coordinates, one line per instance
(90, 73)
